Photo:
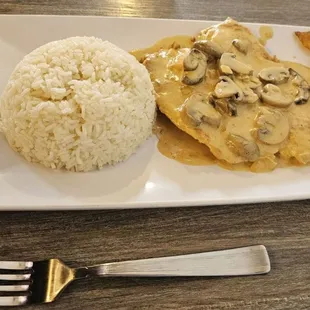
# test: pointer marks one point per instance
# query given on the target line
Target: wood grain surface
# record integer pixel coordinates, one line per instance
(82, 238)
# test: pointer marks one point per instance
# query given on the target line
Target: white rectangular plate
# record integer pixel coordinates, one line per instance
(147, 179)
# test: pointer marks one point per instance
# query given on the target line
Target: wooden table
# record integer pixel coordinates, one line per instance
(82, 238)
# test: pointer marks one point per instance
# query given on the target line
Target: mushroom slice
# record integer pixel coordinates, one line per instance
(227, 88)
(230, 60)
(200, 111)
(224, 105)
(274, 75)
(254, 82)
(258, 91)
(226, 70)
(241, 45)
(209, 48)
(191, 61)
(249, 80)
(272, 126)
(272, 95)
(303, 87)
(242, 147)
(249, 96)
(195, 65)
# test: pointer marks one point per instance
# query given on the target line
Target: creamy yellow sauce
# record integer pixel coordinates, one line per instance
(175, 144)
(179, 41)
(266, 33)
(164, 61)
(178, 145)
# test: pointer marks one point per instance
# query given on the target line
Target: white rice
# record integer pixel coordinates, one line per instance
(78, 104)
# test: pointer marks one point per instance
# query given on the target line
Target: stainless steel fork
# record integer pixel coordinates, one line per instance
(23, 283)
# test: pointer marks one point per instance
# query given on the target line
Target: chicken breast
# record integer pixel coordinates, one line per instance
(227, 92)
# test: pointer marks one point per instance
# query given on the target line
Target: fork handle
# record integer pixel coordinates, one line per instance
(233, 262)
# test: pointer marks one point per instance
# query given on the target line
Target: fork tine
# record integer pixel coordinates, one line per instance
(10, 301)
(15, 277)
(14, 288)
(15, 265)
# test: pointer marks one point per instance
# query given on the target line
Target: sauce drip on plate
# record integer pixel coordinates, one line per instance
(266, 33)
(178, 145)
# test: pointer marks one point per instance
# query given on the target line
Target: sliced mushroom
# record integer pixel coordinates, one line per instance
(303, 87)
(254, 82)
(272, 126)
(230, 60)
(227, 88)
(224, 105)
(258, 91)
(226, 70)
(241, 45)
(200, 111)
(209, 48)
(191, 62)
(249, 81)
(272, 95)
(274, 75)
(249, 96)
(303, 95)
(242, 147)
(195, 65)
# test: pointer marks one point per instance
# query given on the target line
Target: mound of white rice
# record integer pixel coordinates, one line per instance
(78, 104)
